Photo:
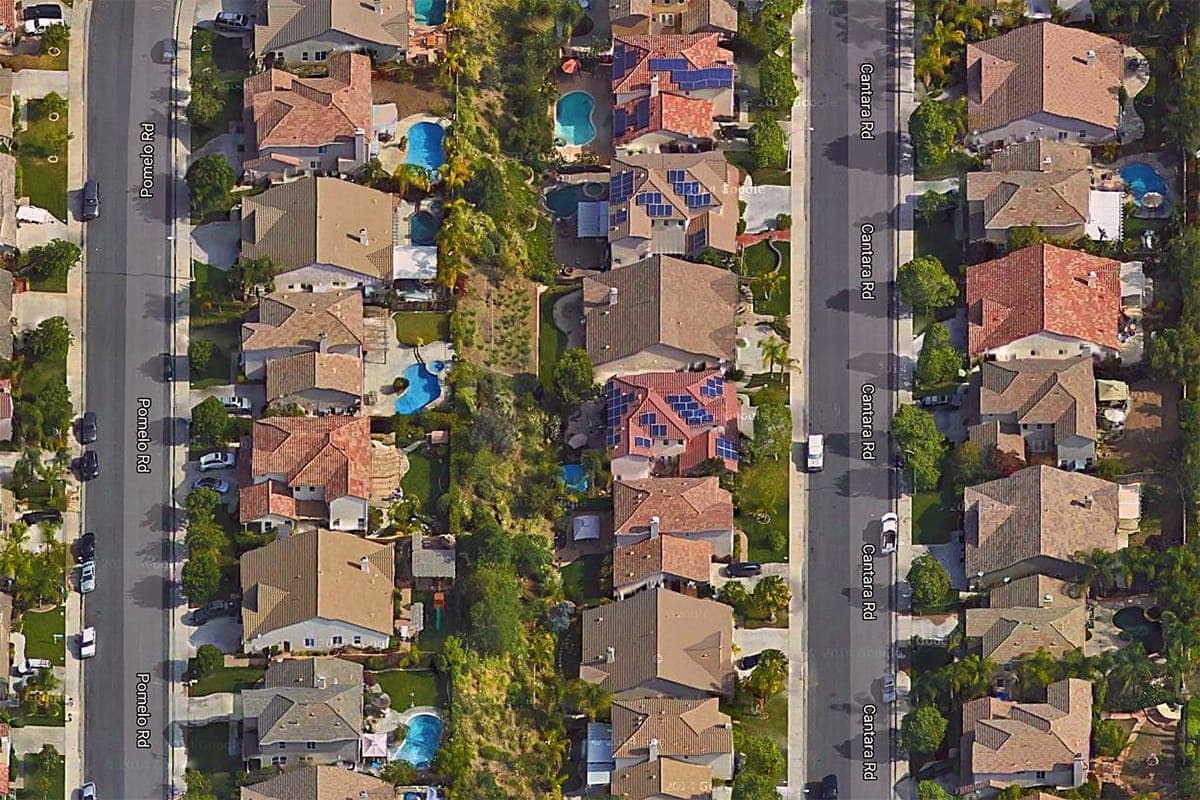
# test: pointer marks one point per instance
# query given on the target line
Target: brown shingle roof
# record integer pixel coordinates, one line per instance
(317, 574)
(683, 505)
(686, 559)
(681, 727)
(332, 452)
(298, 319)
(1006, 633)
(307, 700)
(302, 372)
(1042, 391)
(1020, 189)
(1043, 68)
(661, 301)
(665, 779)
(1032, 592)
(1038, 511)
(1039, 155)
(320, 783)
(698, 16)
(1003, 437)
(659, 634)
(1043, 289)
(282, 23)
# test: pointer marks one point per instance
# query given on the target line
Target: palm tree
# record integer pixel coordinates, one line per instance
(773, 350)
(1158, 8)
(972, 677)
(771, 283)
(1131, 668)
(938, 53)
(1100, 570)
(1036, 672)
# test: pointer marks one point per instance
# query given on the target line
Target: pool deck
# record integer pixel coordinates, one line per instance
(1167, 167)
(404, 716)
(1106, 636)
(599, 85)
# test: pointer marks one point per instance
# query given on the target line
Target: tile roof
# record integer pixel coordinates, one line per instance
(698, 16)
(317, 574)
(659, 635)
(433, 556)
(332, 452)
(1006, 633)
(682, 728)
(1005, 438)
(6, 314)
(666, 112)
(695, 51)
(298, 319)
(320, 221)
(323, 782)
(1043, 289)
(282, 23)
(1003, 738)
(302, 372)
(682, 558)
(663, 778)
(1038, 155)
(683, 505)
(1042, 391)
(8, 15)
(1015, 192)
(1043, 68)
(315, 700)
(709, 173)
(661, 301)
(1038, 511)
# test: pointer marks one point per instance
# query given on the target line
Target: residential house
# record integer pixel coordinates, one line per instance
(306, 468)
(662, 779)
(1028, 744)
(6, 410)
(6, 620)
(338, 232)
(662, 122)
(1026, 615)
(317, 590)
(658, 17)
(1044, 81)
(1043, 302)
(597, 754)
(295, 124)
(309, 711)
(692, 65)
(697, 509)
(6, 100)
(659, 314)
(6, 309)
(5, 760)
(316, 381)
(671, 203)
(669, 423)
(671, 562)
(659, 642)
(694, 731)
(290, 323)
(433, 561)
(9, 28)
(1050, 403)
(1037, 519)
(310, 31)
(320, 782)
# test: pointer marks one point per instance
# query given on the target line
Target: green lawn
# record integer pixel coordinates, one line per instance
(432, 638)
(958, 163)
(774, 389)
(771, 724)
(45, 183)
(227, 679)
(41, 785)
(226, 336)
(40, 629)
(934, 517)
(208, 752)
(212, 300)
(763, 487)
(424, 327)
(427, 478)
(760, 261)
(762, 177)
(211, 51)
(409, 688)
(552, 342)
(581, 579)
(937, 239)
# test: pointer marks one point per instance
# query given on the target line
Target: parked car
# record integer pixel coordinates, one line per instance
(87, 791)
(88, 430)
(216, 484)
(744, 569)
(89, 465)
(168, 366)
(829, 787)
(889, 688)
(222, 460)
(85, 548)
(748, 662)
(227, 20)
(237, 405)
(42, 515)
(42, 11)
(87, 643)
(36, 27)
(891, 530)
(89, 202)
(87, 577)
(217, 608)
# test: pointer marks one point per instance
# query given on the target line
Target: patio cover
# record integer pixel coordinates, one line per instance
(592, 220)
(1104, 216)
(373, 745)
(1111, 391)
(597, 751)
(586, 527)
(414, 262)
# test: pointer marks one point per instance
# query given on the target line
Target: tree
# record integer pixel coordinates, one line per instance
(210, 179)
(917, 436)
(939, 362)
(248, 273)
(965, 466)
(768, 678)
(530, 555)
(399, 773)
(768, 144)
(1175, 354)
(50, 340)
(50, 261)
(734, 594)
(772, 431)
(56, 37)
(210, 422)
(208, 659)
(932, 205)
(924, 284)
(932, 128)
(921, 731)
(775, 354)
(770, 596)
(1022, 236)
(930, 582)
(932, 790)
(940, 48)
(762, 755)
(1108, 738)
(493, 599)
(574, 380)
(200, 353)
(753, 786)
(199, 786)
(777, 85)
(203, 108)
(201, 577)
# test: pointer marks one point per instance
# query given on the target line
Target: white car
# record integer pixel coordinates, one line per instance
(213, 461)
(87, 577)
(36, 27)
(889, 688)
(87, 643)
(236, 404)
(891, 530)
(87, 791)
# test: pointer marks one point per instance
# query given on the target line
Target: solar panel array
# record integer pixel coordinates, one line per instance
(698, 240)
(619, 122)
(713, 387)
(617, 403)
(689, 409)
(708, 78)
(668, 64)
(620, 187)
(676, 176)
(653, 201)
(727, 450)
(618, 217)
(624, 60)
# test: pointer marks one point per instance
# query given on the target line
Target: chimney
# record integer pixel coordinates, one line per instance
(320, 681)
(654, 86)
(323, 342)
(612, 295)
(362, 236)
(1046, 164)
(1091, 58)
(654, 523)
(364, 564)
(360, 145)
(653, 749)
(1091, 279)
(379, 7)
(610, 655)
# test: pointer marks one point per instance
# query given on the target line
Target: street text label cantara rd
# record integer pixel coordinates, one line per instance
(869, 607)
(867, 426)
(866, 262)
(147, 157)
(866, 127)
(870, 767)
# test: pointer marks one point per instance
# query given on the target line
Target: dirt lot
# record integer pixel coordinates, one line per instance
(418, 97)
(1151, 428)
(1152, 743)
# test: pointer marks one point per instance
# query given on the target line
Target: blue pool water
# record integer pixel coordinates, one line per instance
(436, 366)
(574, 478)
(422, 228)
(429, 12)
(422, 740)
(573, 118)
(423, 389)
(564, 200)
(1141, 178)
(425, 146)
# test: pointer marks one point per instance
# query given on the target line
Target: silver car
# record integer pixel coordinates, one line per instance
(87, 577)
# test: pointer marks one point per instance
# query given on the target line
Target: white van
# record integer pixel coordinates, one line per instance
(815, 461)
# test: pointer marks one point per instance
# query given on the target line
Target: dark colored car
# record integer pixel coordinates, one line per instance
(43, 515)
(744, 569)
(748, 662)
(89, 203)
(88, 430)
(168, 362)
(42, 11)
(829, 787)
(217, 608)
(89, 465)
(85, 548)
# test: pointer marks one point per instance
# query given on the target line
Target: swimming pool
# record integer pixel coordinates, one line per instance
(575, 478)
(423, 389)
(423, 228)
(564, 200)
(425, 146)
(421, 741)
(1141, 178)
(573, 118)
(429, 12)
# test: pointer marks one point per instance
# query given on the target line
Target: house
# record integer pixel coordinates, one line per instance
(659, 314)
(692, 65)
(662, 121)
(6, 100)
(691, 508)
(1050, 403)
(1036, 519)
(671, 203)
(306, 468)
(433, 561)
(6, 309)
(5, 759)
(327, 225)
(317, 590)
(320, 782)
(290, 323)
(662, 779)
(1028, 744)
(1044, 81)
(310, 31)
(659, 642)
(6, 620)
(6, 410)
(671, 562)
(1043, 302)
(1026, 615)
(309, 711)
(658, 17)
(669, 423)
(694, 731)
(316, 381)
(295, 124)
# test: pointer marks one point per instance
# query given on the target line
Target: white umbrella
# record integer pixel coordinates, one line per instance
(1152, 200)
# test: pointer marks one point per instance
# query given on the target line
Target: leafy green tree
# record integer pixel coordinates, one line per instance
(771, 595)
(932, 790)
(210, 422)
(932, 205)
(1175, 354)
(492, 597)
(733, 593)
(199, 786)
(1022, 236)
(56, 37)
(247, 273)
(767, 679)
(939, 362)
(201, 504)
(917, 436)
(777, 85)
(921, 730)
(51, 260)
(762, 755)
(209, 659)
(772, 431)
(530, 555)
(967, 466)
(50, 340)
(930, 583)
(924, 284)
(754, 786)
(1108, 738)
(210, 179)
(933, 128)
(1183, 122)
(768, 144)
(574, 380)
(201, 577)
(200, 353)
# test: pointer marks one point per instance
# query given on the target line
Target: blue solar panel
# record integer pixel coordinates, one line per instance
(658, 210)
(676, 176)
(642, 115)
(648, 198)
(618, 121)
(624, 60)
(619, 217)
(668, 64)
(641, 441)
(709, 78)
(620, 187)
(698, 200)
(727, 450)
(697, 241)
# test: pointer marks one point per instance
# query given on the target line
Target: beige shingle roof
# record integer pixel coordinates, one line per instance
(282, 23)
(698, 15)
(1031, 183)
(683, 505)
(310, 700)
(665, 779)
(302, 372)
(1006, 633)
(1042, 391)
(298, 319)
(320, 783)
(681, 727)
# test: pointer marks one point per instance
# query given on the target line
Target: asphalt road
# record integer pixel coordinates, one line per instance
(851, 341)
(126, 328)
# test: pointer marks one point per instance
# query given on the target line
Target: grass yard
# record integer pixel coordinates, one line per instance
(42, 784)
(937, 239)
(772, 295)
(226, 336)
(41, 629)
(958, 163)
(934, 518)
(433, 637)
(765, 388)
(224, 56)
(772, 723)
(226, 679)
(422, 327)
(581, 579)
(427, 478)
(44, 182)
(411, 687)
(208, 752)
(552, 342)
(762, 488)
(37, 60)
(762, 177)
(212, 296)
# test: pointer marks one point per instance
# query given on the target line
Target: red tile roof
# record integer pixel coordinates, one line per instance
(682, 505)
(332, 452)
(700, 50)
(672, 113)
(6, 399)
(1043, 289)
(688, 559)
(8, 15)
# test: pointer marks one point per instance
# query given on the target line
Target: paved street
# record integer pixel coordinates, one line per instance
(849, 348)
(126, 328)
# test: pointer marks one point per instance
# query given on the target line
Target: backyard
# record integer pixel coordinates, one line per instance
(771, 276)
(42, 158)
(552, 342)
(581, 579)
(761, 500)
(427, 478)
(408, 688)
(422, 327)
(501, 313)
(45, 635)
(436, 632)
(208, 752)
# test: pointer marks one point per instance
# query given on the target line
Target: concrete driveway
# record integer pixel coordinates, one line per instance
(224, 632)
(217, 243)
(30, 739)
(717, 576)
(755, 640)
(255, 392)
(31, 308)
(31, 234)
(33, 84)
(763, 204)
